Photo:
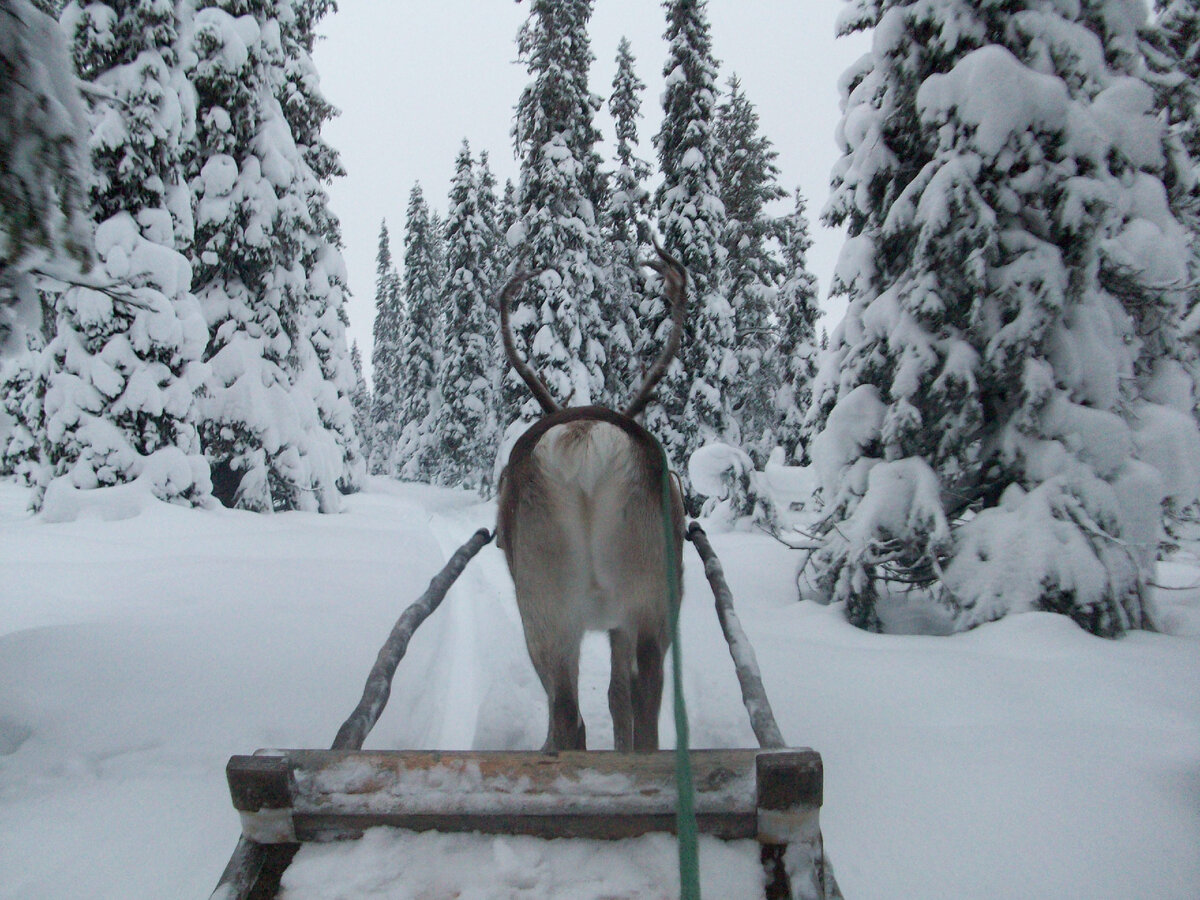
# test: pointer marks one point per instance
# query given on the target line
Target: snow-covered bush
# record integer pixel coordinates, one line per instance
(735, 492)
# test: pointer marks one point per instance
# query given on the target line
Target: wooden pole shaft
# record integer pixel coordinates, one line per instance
(379, 682)
(754, 695)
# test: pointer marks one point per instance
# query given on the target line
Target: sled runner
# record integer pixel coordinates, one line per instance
(289, 797)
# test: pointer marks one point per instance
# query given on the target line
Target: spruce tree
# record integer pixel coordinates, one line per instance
(466, 434)
(253, 190)
(21, 444)
(421, 341)
(386, 350)
(360, 398)
(795, 355)
(983, 415)
(507, 215)
(694, 396)
(122, 369)
(557, 321)
(753, 272)
(43, 165)
(625, 218)
(1173, 54)
(496, 248)
(322, 358)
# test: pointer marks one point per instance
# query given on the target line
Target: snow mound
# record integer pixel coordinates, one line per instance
(164, 474)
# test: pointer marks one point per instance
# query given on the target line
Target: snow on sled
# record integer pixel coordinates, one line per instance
(770, 796)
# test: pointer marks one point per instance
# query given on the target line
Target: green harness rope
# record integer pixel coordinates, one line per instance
(685, 813)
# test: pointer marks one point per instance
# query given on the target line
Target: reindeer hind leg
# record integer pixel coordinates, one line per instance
(620, 687)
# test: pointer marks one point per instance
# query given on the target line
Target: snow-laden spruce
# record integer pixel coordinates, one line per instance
(557, 321)
(122, 371)
(387, 331)
(360, 399)
(626, 214)
(322, 359)
(694, 396)
(1172, 48)
(795, 354)
(996, 417)
(753, 271)
(422, 336)
(273, 424)
(43, 165)
(466, 431)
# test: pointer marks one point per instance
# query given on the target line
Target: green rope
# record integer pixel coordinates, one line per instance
(685, 813)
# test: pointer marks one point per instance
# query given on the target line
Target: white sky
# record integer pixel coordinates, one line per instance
(412, 79)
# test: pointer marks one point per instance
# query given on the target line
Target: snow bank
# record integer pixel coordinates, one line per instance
(1025, 758)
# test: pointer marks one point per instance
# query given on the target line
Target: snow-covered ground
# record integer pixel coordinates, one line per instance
(1022, 759)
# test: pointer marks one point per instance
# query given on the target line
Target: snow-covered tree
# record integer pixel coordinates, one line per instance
(625, 216)
(20, 402)
(360, 398)
(466, 432)
(694, 396)
(322, 358)
(985, 414)
(557, 321)
(421, 340)
(795, 355)
(254, 197)
(753, 271)
(123, 368)
(1172, 47)
(43, 163)
(385, 359)
(507, 215)
(498, 257)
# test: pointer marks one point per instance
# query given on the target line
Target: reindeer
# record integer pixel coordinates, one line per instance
(581, 525)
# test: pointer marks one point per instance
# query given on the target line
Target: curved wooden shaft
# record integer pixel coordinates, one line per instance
(754, 695)
(379, 682)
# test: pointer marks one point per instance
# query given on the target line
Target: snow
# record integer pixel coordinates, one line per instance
(1022, 759)
(401, 865)
(990, 89)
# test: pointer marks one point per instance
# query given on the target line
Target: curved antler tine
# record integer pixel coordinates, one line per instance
(540, 392)
(675, 276)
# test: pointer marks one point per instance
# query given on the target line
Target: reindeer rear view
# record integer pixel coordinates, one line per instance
(581, 525)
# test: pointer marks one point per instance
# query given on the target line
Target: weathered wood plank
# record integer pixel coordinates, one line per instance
(599, 794)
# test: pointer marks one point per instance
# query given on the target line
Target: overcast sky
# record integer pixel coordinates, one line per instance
(412, 79)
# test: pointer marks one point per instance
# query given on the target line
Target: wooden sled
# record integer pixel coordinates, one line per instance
(289, 797)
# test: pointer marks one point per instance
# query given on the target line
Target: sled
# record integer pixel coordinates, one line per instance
(772, 794)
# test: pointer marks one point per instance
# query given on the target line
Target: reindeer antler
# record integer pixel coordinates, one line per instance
(540, 392)
(675, 276)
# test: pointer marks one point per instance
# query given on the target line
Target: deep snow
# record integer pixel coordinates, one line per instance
(1022, 759)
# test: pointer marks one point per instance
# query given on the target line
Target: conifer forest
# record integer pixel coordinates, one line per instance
(986, 414)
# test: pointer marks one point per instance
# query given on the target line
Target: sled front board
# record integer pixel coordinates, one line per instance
(290, 796)
(286, 797)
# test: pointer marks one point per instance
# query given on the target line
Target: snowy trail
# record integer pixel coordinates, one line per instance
(1025, 759)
